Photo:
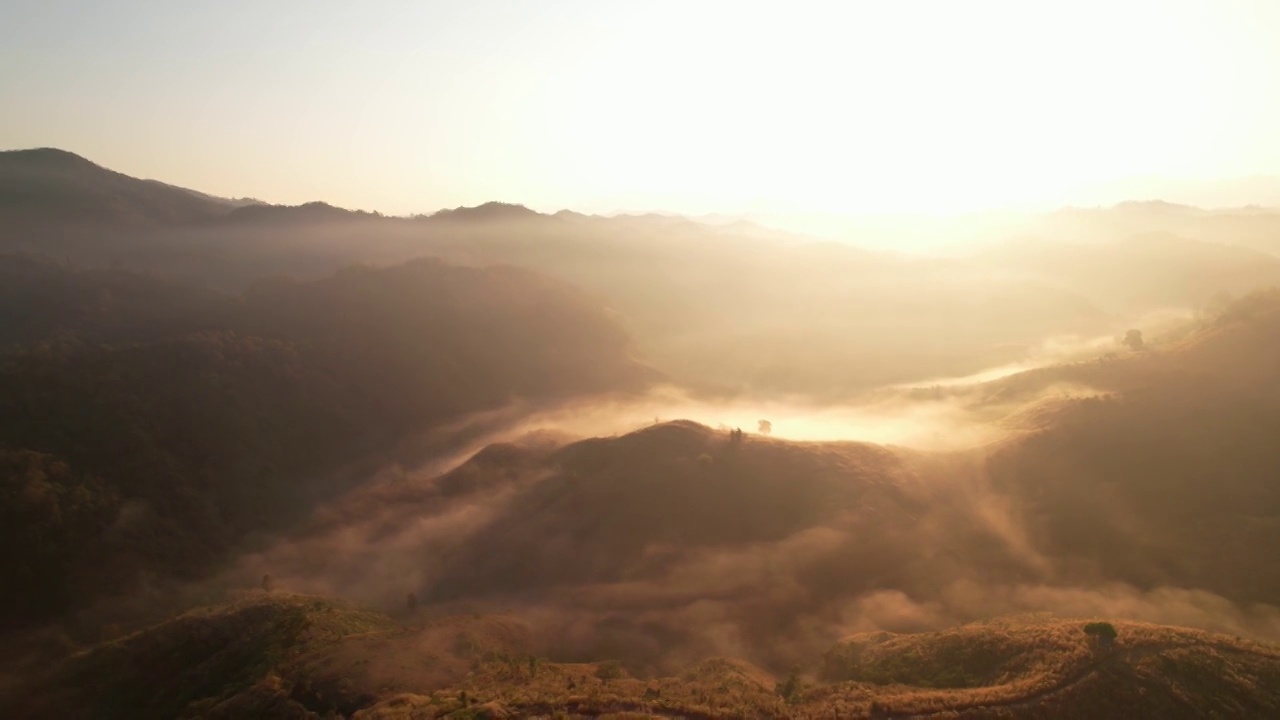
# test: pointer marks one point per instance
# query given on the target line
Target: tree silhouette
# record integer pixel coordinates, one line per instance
(610, 670)
(1103, 633)
(766, 427)
(268, 584)
(1133, 340)
(790, 688)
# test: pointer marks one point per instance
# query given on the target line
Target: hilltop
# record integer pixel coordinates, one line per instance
(634, 545)
(284, 656)
(487, 212)
(45, 184)
(311, 213)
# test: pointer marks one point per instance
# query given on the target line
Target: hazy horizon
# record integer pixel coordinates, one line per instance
(850, 109)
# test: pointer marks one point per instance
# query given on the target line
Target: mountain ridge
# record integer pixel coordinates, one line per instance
(286, 656)
(46, 159)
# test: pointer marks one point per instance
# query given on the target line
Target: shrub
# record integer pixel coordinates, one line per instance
(790, 688)
(610, 670)
(1102, 632)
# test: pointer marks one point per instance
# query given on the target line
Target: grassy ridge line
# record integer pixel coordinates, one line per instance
(279, 654)
(1063, 684)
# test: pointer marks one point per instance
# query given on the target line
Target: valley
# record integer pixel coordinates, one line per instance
(301, 462)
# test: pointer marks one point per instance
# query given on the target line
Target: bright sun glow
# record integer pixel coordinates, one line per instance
(921, 106)
(897, 107)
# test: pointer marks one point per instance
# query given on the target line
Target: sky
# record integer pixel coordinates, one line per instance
(910, 106)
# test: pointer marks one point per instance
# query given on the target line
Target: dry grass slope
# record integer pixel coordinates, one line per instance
(193, 660)
(303, 657)
(1051, 669)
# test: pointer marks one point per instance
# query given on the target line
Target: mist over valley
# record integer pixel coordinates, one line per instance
(577, 360)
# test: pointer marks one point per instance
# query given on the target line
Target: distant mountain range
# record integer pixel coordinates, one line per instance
(38, 184)
(81, 189)
(48, 184)
(719, 301)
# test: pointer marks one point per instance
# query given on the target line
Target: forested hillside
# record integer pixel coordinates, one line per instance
(147, 427)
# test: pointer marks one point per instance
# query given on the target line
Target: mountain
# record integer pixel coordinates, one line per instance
(1140, 484)
(673, 542)
(1142, 272)
(37, 186)
(739, 309)
(1254, 227)
(1256, 190)
(1167, 474)
(281, 656)
(487, 212)
(166, 444)
(285, 215)
(41, 300)
(147, 428)
(1153, 466)
(723, 308)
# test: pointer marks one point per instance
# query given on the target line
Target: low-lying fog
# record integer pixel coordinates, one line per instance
(900, 415)
(774, 602)
(890, 421)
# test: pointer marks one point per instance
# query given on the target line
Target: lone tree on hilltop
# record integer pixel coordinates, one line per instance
(766, 427)
(1133, 340)
(610, 670)
(791, 688)
(1103, 633)
(268, 584)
